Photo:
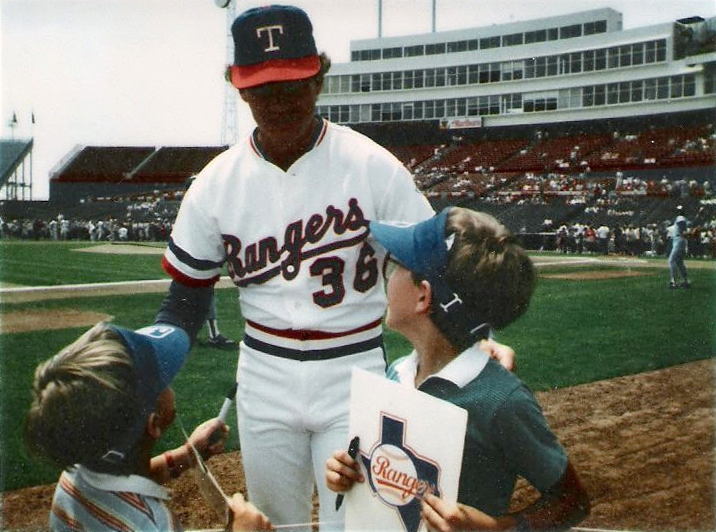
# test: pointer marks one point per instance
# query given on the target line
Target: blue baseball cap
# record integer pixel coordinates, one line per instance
(158, 352)
(273, 43)
(423, 248)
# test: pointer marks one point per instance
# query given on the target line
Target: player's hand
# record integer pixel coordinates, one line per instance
(342, 472)
(443, 516)
(203, 441)
(245, 517)
(504, 354)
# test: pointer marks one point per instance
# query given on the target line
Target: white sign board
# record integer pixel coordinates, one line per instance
(410, 443)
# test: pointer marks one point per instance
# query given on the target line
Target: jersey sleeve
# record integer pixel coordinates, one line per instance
(398, 197)
(531, 449)
(195, 252)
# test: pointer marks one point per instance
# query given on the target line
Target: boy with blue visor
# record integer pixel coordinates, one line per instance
(450, 281)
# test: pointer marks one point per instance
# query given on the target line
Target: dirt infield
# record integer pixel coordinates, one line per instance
(643, 444)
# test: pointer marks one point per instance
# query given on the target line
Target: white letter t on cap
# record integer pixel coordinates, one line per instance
(269, 30)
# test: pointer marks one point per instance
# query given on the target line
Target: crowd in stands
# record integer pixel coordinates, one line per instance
(543, 185)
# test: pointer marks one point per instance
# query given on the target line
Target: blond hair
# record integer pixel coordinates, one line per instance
(83, 400)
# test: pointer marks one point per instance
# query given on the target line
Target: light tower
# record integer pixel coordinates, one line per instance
(229, 118)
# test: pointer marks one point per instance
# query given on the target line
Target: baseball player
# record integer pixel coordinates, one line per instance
(287, 210)
(677, 267)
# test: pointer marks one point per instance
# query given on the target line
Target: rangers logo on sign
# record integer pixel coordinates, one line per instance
(398, 475)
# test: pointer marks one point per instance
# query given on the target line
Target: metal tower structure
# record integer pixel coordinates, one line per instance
(229, 118)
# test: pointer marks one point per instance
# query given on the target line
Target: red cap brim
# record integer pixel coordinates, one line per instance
(244, 77)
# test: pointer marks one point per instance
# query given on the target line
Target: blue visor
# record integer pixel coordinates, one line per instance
(158, 352)
(422, 248)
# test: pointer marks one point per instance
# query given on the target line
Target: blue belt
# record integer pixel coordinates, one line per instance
(315, 354)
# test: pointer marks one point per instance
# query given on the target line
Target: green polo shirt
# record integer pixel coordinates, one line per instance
(507, 435)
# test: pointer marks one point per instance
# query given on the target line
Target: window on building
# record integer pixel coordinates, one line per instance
(588, 96)
(661, 50)
(599, 95)
(535, 36)
(435, 49)
(490, 42)
(392, 53)
(613, 93)
(514, 39)
(553, 34)
(407, 113)
(613, 57)
(414, 51)
(598, 26)
(625, 55)
(552, 65)
(439, 77)
(461, 107)
(588, 60)
(377, 82)
(689, 85)
(472, 74)
(506, 68)
(457, 46)
(494, 72)
(541, 67)
(637, 54)
(462, 75)
(570, 32)
(600, 59)
(637, 91)
(451, 108)
(650, 89)
(365, 82)
(530, 68)
(677, 86)
(662, 88)
(575, 60)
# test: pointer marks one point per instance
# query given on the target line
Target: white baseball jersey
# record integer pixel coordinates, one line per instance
(295, 242)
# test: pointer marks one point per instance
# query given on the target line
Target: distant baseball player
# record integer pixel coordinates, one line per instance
(451, 279)
(677, 267)
(99, 407)
(287, 211)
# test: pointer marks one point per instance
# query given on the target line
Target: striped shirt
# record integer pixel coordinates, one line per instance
(86, 500)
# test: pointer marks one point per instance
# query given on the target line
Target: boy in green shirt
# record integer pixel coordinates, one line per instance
(451, 280)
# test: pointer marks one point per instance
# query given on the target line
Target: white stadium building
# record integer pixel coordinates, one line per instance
(579, 66)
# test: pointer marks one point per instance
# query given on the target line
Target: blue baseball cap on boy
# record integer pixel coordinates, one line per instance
(424, 248)
(158, 353)
(273, 43)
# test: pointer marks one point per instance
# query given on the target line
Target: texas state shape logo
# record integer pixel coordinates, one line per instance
(399, 476)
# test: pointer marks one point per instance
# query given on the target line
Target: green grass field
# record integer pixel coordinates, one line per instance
(576, 331)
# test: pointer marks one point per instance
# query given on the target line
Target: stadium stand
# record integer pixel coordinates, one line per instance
(13, 154)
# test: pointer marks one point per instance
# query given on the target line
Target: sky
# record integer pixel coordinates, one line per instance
(150, 72)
